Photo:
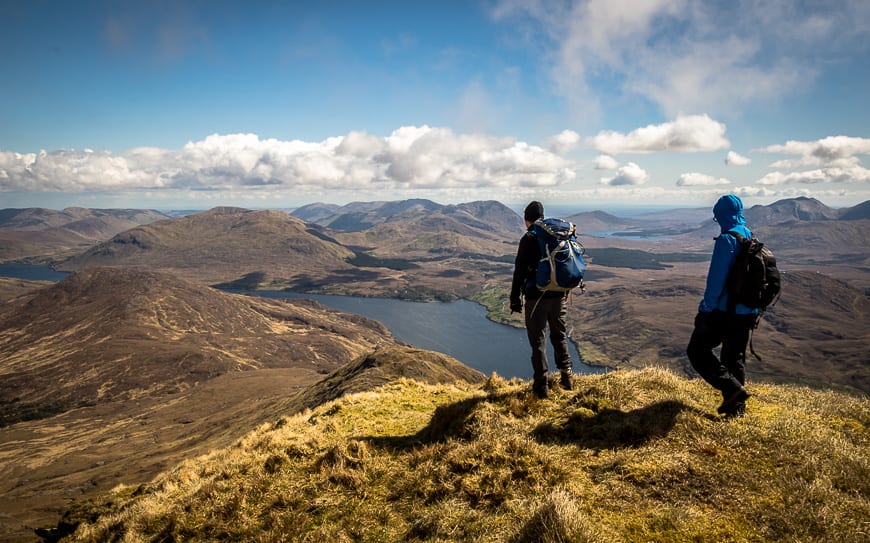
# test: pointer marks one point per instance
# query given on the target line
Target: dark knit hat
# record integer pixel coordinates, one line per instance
(534, 211)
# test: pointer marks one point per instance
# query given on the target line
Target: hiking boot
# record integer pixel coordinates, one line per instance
(738, 397)
(541, 393)
(566, 381)
(736, 412)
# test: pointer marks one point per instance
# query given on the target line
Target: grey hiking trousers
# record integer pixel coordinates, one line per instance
(547, 311)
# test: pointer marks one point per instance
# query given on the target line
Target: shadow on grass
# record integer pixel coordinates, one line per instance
(451, 421)
(608, 428)
(592, 424)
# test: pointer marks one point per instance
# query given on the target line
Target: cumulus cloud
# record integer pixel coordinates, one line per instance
(564, 141)
(695, 179)
(605, 162)
(855, 174)
(736, 159)
(833, 150)
(833, 159)
(688, 133)
(688, 55)
(630, 174)
(410, 157)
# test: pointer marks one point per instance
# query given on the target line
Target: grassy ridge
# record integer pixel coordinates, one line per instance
(626, 456)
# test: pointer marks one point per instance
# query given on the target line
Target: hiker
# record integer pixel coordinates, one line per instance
(720, 321)
(542, 309)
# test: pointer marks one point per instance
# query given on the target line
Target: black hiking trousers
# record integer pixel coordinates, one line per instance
(728, 372)
(541, 312)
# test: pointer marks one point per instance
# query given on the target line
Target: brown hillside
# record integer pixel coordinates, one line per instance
(222, 245)
(108, 334)
(816, 334)
(153, 363)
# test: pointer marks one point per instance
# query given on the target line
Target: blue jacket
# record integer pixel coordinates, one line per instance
(728, 212)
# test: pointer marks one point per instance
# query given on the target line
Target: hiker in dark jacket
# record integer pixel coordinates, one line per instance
(542, 309)
(721, 322)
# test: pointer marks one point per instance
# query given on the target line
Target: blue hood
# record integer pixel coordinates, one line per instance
(729, 212)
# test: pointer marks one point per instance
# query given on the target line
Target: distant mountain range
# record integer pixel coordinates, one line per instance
(223, 244)
(803, 209)
(486, 216)
(48, 234)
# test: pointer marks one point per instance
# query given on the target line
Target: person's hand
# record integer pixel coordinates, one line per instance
(516, 307)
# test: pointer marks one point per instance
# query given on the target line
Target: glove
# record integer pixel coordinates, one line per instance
(516, 307)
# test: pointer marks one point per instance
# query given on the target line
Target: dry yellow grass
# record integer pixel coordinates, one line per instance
(628, 456)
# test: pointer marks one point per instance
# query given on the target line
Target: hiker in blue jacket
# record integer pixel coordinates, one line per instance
(542, 309)
(720, 322)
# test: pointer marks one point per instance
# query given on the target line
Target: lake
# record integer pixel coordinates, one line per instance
(459, 329)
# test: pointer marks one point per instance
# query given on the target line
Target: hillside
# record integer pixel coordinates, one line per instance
(628, 456)
(42, 234)
(114, 374)
(223, 245)
(111, 334)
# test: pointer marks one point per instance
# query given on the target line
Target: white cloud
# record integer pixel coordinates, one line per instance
(605, 162)
(695, 179)
(630, 174)
(688, 133)
(688, 55)
(832, 149)
(833, 160)
(855, 174)
(564, 141)
(409, 158)
(736, 159)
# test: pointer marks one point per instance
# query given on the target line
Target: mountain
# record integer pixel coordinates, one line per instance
(221, 245)
(791, 209)
(315, 212)
(596, 221)
(628, 456)
(109, 334)
(47, 233)
(858, 212)
(358, 216)
(419, 231)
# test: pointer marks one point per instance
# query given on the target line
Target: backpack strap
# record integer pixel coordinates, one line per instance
(737, 235)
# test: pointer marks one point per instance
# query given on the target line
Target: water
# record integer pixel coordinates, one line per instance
(459, 329)
(29, 271)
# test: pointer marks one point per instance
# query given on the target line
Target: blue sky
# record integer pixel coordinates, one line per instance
(188, 105)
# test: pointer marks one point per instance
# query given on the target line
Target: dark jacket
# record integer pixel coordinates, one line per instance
(728, 212)
(525, 267)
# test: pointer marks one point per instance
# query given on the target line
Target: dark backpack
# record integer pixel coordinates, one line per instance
(561, 266)
(754, 279)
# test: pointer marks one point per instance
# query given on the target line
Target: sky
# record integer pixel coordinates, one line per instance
(190, 104)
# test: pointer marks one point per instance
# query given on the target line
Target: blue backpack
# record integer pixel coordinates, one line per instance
(561, 266)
